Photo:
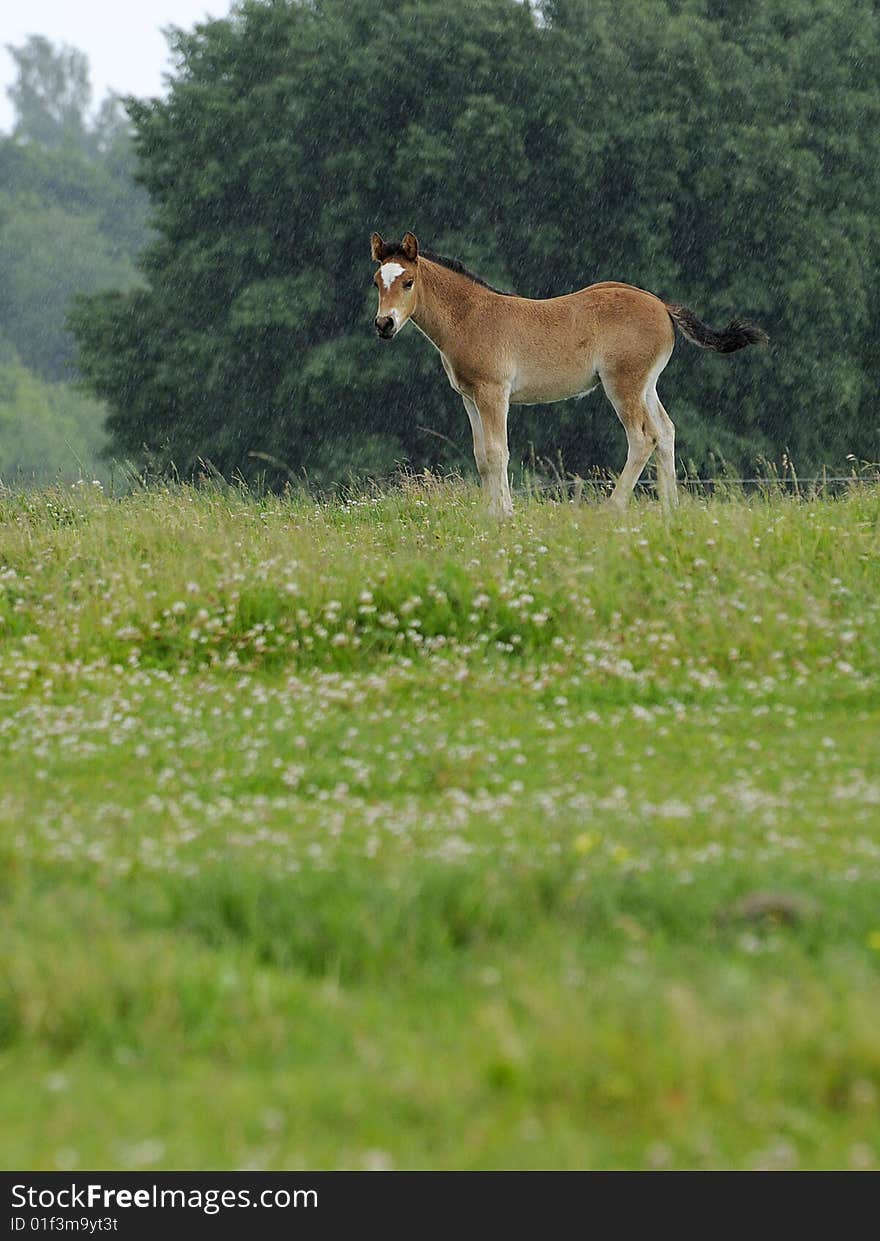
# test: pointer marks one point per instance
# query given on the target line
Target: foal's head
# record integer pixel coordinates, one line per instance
(397, 280)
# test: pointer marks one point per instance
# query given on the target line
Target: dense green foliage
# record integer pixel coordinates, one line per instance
(438, 843)
(724, 156)
(71, 222)
(47, 430)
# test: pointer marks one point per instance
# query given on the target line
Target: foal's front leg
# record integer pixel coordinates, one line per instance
(477, 430)
(491, 402)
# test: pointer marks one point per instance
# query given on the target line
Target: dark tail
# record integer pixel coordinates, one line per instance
(735, 336)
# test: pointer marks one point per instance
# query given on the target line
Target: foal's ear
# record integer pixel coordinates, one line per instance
(410, 247)
(377, 245)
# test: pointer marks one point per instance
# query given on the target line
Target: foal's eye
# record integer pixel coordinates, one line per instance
(408, 284)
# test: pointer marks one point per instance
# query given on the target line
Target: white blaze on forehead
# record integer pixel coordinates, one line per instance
(389, 273)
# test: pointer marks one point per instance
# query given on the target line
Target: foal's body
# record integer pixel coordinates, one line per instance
(499, 350)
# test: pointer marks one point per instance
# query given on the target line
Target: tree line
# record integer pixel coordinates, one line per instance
(722, 156)
(72, 221)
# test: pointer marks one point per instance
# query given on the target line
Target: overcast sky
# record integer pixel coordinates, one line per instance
(122, 39)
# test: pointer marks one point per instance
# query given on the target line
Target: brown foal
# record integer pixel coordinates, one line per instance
(499, 350)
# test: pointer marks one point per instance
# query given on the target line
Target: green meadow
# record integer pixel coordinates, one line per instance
(373, 834)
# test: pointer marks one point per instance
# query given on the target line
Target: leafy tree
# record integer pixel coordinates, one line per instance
(71, 219)
(48, 255)
(51, 93)
(722, 156)
(47, 431)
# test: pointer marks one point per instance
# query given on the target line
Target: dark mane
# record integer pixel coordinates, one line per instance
(457, 266)
(393, 249)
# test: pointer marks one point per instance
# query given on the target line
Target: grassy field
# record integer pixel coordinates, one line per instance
(376, 835)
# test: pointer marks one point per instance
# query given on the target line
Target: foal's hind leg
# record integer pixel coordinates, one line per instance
(665, 429)
(641, 437)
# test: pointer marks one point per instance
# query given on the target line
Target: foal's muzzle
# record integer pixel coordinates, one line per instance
(385, 327)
